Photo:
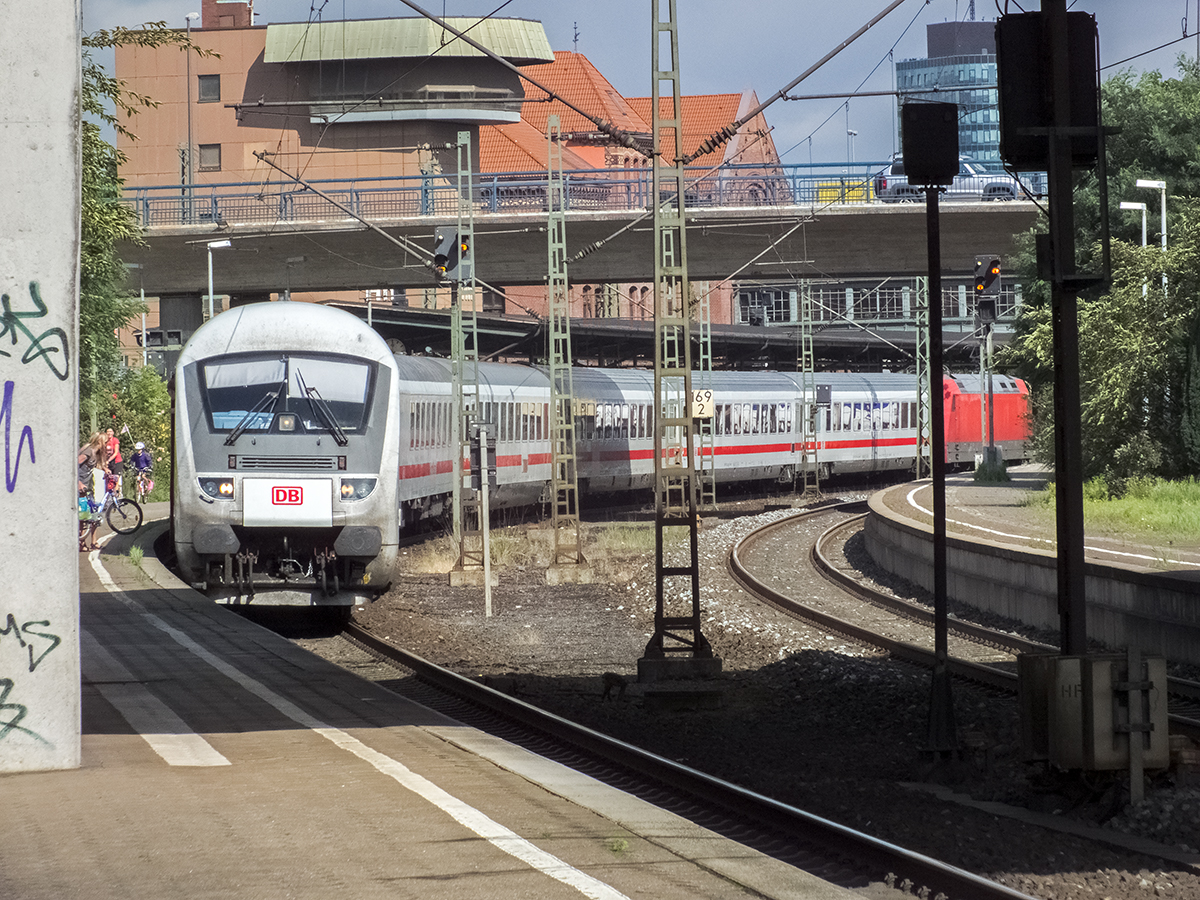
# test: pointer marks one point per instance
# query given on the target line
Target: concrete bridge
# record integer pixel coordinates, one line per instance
(287, 237)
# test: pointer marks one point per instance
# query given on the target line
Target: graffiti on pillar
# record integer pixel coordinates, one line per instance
(32, 637)
(35, 638)
(11, 714)
(50, 345)
(12, 464)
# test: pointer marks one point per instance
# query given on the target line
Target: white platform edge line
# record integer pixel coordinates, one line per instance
(496, 834)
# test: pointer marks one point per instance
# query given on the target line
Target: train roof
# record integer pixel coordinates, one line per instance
(595, 383)
(284, 325)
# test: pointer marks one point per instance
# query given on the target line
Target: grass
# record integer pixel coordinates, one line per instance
(1166, 510)
(991, 473)
(135, 556)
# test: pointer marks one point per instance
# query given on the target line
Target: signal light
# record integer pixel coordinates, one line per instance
(445, 255)
(987, 276)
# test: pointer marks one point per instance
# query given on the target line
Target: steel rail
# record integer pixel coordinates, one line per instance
(1183, 695)
(842, 851)
(980, 674)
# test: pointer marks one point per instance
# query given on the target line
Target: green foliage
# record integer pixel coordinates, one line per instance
(991, 473)
(104, 303)
(1137, 507)
(1139, 363)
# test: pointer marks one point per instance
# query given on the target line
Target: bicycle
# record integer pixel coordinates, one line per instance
(123, 516)
(144, 484)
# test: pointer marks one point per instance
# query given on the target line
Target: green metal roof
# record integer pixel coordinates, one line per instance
(520, 41)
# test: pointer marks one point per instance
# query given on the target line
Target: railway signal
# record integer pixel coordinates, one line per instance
(446, 255)
(987, 276)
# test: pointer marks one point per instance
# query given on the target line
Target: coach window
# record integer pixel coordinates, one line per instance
(876, 417)
(623, 432)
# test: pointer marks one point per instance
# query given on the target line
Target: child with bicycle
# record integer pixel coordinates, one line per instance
(142, 462)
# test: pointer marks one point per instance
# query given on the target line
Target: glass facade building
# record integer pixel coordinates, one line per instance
(960, 68)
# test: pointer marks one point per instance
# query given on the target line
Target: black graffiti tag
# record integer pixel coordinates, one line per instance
(19, 713)
(44, 345)
(28, 631)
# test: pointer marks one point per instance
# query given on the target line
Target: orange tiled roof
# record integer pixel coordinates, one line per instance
(573, 77)
(519, 147)
(703, 115)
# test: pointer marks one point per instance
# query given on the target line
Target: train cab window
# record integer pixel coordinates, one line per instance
(248, 393)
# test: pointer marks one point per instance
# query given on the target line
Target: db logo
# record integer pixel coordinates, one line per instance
(287, 496)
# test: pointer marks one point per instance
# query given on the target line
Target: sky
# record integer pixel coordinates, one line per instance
(758, 45)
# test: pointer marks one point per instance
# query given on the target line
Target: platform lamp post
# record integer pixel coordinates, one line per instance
(1162, 187)
(1142, 207)
(191, 170)
(213, 245)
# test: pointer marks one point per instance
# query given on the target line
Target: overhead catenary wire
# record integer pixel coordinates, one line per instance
(624, 138)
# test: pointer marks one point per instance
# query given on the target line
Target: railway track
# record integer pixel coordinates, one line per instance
(1183, 695)
(830, 851)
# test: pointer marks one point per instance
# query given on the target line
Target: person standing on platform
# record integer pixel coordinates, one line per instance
(112, 447)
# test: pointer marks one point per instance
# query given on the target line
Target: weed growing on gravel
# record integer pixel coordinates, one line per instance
(135, 556)
(991, 473)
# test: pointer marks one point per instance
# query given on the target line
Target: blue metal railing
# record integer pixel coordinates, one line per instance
(605, 190)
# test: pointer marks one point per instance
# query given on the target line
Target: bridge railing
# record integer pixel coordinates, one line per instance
(602, 190)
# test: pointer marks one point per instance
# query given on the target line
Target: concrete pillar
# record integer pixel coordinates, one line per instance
(39, 260)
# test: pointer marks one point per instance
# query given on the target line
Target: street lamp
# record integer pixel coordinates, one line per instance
(213, 245)
(191, 176)
(1161, 186)
(851, 135)
(1142, 207)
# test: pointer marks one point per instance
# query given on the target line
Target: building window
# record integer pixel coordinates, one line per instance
(210, 157)
(209, 88)
(764, 306)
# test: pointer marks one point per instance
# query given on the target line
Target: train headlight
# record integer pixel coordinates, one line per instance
(286, 421)
(357, 488)
(221, 488)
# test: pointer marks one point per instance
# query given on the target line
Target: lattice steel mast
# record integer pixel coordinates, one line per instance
(806, 414)
(470, 507)
(676, 538)
(924, 460)
(565, 482)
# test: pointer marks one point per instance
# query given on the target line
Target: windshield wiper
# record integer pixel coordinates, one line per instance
(270, 397)
(321, 408)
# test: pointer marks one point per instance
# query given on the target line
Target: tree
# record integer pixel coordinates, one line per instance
(1140, 381)
(104, 304)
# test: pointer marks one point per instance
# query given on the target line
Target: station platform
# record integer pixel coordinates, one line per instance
(221, 760)
(1001, 513)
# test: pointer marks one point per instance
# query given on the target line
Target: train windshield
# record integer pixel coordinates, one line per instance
(287, 393)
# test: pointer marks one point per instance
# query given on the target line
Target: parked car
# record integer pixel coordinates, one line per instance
(973, 182)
